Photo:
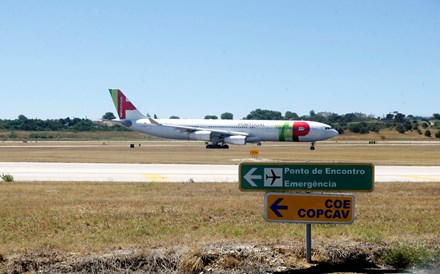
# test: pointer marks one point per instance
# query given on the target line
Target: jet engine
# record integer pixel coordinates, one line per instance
(236, 140)
(201, 135)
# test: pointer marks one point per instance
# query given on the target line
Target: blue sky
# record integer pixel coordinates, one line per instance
(193, 58)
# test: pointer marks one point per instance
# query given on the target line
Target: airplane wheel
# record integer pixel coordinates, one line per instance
(312, 148)
(225, 146)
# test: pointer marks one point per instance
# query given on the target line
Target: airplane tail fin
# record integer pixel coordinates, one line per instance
(125, 109)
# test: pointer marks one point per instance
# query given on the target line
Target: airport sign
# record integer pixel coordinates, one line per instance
(309, 208)
(306, 177)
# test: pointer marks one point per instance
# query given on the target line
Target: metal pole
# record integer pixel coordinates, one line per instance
(309, 243)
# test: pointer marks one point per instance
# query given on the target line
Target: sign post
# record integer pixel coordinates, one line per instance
(307, 207)
(309, 243)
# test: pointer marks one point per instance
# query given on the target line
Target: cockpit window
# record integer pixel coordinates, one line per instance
(327, 128)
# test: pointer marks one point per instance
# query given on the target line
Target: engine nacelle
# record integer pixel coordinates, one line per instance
(236, 140)
(201, 135)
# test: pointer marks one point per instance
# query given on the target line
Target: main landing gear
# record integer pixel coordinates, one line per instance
(217, 146)
(312, 147)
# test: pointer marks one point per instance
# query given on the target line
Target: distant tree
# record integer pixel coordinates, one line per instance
(400, 129)
(425, 125)
(84, 125)
(415, 126)
(174, 117)
(22, 118)
(333, 118)
(319, 118)
(155, 116)
(227, 116)
(436, 116)
(264, 114)
(399, 118)
(291, 115)
(211, 117)
(349, 117)
(389, 116)
(437, 134)
(108, 116)
(428, 133)
(357, 127)
(407, 125)
(374, 127)
(312, 113)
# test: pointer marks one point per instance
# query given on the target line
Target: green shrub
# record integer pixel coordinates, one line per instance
(400, 129)
(404, 256)
(7, 177)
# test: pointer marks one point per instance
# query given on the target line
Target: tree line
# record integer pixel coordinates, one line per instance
(353, 122)
(63, 124)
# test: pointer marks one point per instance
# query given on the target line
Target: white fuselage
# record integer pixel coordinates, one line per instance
(219, 133)
(258, 130)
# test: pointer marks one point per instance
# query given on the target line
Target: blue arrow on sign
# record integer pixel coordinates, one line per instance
(276, 207)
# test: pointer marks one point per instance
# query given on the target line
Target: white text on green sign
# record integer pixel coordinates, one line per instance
(306, 177)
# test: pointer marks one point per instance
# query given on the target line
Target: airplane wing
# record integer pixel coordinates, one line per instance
(218, 132)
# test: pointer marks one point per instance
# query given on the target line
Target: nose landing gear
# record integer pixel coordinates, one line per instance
(312, 147)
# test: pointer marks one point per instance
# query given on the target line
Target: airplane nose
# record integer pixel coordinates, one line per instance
(334, 133)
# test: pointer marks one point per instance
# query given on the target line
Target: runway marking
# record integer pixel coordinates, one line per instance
(154, 177)
(422, 178)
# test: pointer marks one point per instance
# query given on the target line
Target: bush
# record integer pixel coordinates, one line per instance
(404, 256)
(437, 134)
(400, 129)
(428, 133)
(7, 177)
(361, 127)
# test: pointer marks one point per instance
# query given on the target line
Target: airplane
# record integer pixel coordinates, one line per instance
(217, 134)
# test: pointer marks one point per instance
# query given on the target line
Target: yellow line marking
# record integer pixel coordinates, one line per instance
(153, 177)
(423, 178)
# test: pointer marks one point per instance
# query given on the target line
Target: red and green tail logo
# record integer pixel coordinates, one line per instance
(121, 102)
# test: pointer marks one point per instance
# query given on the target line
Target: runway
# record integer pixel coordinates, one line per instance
(97, 172)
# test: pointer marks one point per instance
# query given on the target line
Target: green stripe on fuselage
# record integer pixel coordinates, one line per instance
(285, 131)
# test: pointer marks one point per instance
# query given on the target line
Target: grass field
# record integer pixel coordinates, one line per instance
(397, 224)
(381, 153)
(87, 217)
(91, 216)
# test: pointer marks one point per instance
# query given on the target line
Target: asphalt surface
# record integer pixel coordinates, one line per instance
(97, 172)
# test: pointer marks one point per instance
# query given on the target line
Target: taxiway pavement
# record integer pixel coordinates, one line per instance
(100, 172)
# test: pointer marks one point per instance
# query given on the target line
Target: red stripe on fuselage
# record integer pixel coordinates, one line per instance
(300, 129)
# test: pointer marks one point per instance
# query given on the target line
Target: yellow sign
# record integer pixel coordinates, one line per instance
(309, 208)
(254, 153)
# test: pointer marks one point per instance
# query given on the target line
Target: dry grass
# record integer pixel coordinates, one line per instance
(46, 221)
(381, 153)
(80, 217)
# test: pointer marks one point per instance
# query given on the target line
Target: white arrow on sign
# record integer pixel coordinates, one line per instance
(250, 176)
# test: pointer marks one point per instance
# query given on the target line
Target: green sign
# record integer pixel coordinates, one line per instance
(306, 177)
